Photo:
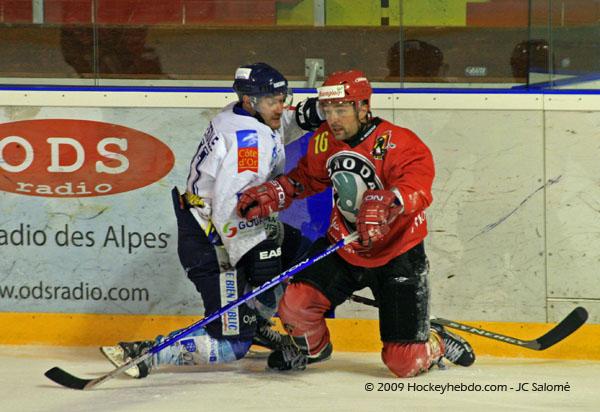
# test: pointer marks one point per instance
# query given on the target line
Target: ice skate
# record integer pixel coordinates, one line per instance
(291, 357)
(266, 336)
(456, 349)
(123, 352)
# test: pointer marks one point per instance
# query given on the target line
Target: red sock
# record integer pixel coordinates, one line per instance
(302, 311)
(406, 360)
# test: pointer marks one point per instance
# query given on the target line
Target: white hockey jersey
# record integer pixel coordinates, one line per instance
(237, 152)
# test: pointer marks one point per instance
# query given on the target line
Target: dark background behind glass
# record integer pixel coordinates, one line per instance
(501, 43)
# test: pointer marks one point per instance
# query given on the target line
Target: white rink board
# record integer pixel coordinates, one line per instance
(486, 247)
(106, 264)
(573, 214)
(513, 226)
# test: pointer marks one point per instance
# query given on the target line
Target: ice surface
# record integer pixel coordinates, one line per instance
(335, 385)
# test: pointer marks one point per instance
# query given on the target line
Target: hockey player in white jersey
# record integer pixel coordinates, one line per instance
(225, 255)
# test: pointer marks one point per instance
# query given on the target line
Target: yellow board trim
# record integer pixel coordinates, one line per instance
(350, 335)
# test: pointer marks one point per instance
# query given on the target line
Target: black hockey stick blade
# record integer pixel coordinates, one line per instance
(566, 327)
(67, 380)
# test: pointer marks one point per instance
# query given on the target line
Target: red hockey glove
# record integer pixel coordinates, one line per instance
(262, 200)
(377, 211)
(338, 230)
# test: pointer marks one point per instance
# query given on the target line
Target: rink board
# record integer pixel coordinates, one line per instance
(513, 227)
(348, 335)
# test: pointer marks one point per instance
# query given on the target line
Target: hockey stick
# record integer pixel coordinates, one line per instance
(64, 378)
(564, 328)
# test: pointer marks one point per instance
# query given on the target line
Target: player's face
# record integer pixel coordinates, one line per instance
(343, 118)
(271, 109)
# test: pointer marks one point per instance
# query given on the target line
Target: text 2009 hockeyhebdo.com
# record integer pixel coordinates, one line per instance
(442, 388)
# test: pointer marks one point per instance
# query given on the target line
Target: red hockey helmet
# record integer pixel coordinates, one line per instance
(345, 86)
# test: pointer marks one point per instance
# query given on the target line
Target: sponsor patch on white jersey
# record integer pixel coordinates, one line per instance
(229, 293)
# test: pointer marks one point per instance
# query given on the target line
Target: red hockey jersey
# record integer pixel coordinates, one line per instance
(384, 156)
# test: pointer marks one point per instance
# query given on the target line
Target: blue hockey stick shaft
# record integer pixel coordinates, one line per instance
(255, 292)
(64, 378)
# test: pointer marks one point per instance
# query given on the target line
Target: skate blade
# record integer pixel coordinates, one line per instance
(258, 352)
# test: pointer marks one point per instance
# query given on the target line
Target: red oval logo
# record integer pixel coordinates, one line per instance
(78, 158)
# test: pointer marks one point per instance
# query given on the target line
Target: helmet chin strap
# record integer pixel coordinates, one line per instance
(258, 117)
(252, 106)
(362, 125)
(368, 118)
(254, 103)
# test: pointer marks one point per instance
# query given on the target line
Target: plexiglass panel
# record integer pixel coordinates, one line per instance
(398, 43)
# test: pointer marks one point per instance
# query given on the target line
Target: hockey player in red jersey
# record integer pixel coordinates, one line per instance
(381, 176)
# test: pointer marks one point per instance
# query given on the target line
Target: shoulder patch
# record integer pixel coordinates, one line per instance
(382, 143)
